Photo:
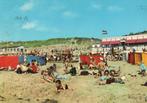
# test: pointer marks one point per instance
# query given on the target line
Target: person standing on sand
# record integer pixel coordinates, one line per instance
(66, 67)
(143, 69)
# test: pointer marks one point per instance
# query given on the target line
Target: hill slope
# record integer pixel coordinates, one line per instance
(56, 41)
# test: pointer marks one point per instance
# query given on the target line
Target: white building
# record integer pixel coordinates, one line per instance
(137, 42)
(13, 49)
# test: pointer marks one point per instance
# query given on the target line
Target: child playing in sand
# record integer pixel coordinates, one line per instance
(59, 86)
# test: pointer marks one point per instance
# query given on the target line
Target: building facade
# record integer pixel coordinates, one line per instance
(131, 42)
(14, 49)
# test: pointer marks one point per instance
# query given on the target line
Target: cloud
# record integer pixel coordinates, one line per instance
(27, 6)
(96, 6)
(29, 25)
(69, 14)
(115, 8)
(36, 26)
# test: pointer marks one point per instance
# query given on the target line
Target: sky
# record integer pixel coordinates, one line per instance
(22, 20)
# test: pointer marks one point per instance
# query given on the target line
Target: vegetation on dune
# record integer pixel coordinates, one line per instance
(143, 32)
(55, 41)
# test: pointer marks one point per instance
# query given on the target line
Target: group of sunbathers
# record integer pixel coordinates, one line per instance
(27, 68)
(108, 77)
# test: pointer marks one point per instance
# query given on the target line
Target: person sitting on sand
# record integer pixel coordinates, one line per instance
(145, 84)
(55, 75)
(143, 68)
(46, 76)
(35, 62)
(104, 77)
(101, 66)
(18, 69)
(72, 71)
(111, 78)
(21, 69)
(114, 78)
(66, 67)
(85, 72)
(115, 73)
(54, 67)
(91, 66)
(33, 68)
(2, 68)
(50, 70)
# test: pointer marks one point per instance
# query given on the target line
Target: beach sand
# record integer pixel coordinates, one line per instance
(31, 88)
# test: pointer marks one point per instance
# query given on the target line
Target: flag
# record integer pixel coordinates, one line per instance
(104, 32)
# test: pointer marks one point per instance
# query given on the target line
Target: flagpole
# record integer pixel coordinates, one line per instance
(104, 32)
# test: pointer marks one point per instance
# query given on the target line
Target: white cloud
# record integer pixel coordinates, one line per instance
(29, 25)
(115, 8)
(97, 6)
(27, 6)
(35, 25)
(69, 14)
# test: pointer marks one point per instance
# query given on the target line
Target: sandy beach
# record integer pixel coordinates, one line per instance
(31, 88)
(73, 51)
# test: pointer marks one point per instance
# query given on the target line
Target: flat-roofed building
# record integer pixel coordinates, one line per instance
(136, 42)
(12, 49)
